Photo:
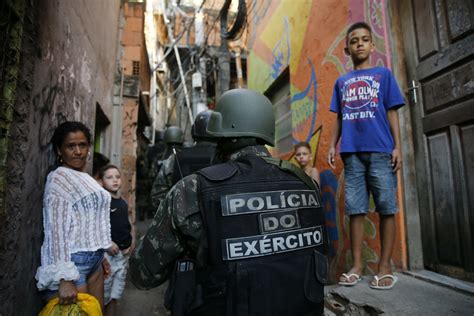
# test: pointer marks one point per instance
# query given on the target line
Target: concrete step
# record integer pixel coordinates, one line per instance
(410, 296)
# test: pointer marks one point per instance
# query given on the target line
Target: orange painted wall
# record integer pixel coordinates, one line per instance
(308, 37)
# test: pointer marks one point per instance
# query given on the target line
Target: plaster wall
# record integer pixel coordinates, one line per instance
(67, 67)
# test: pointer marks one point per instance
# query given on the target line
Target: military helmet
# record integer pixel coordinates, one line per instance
(173, 135)
(243, 113)
(198, 131)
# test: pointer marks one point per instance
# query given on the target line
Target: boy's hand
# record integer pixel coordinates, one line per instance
(396, 160)
(331, 157)
(130, 249)
(113, 250)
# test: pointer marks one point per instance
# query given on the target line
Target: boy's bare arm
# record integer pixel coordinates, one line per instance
(336, 133)
(395, 129)
(130, 249)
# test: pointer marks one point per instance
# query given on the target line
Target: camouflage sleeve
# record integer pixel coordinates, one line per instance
(162, 183)
(176, 228)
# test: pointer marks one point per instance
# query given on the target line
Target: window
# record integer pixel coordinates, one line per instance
(136, 68)
(279, 94)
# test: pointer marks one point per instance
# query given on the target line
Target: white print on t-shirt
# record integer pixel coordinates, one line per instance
(360, 97)
(113, 210)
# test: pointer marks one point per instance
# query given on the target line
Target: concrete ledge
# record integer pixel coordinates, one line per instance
(410, 296)
(436, 278)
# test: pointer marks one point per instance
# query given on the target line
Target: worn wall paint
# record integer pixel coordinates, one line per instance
(133, 42)
(67, 66)
(308, 37)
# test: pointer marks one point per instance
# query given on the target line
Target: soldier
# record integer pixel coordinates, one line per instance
(162, 183)
(202, 154)
(244, 237)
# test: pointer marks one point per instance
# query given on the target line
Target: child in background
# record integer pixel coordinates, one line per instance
(303, 158)
(122, 238)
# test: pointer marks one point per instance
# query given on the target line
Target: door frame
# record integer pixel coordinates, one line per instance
(402, 18)
(399, 40)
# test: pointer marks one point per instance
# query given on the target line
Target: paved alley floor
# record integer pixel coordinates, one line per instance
(142, 303)
(410, 296)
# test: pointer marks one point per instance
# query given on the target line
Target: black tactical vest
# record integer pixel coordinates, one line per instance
(192, 159)
(267, 240)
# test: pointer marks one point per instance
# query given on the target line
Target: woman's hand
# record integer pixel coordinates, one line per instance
(67, 292)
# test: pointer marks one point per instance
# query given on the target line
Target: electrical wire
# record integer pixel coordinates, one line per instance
(186, 29)
(235, 31)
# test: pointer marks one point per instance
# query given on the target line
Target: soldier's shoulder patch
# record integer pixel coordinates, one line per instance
(218, 172)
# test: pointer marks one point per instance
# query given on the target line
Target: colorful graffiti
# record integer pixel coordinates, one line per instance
(374, 13)
(314, 55)
(304, 107)
(281, 52)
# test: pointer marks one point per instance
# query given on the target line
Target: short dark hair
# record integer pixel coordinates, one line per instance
(302, 144)
(104, 169)
(99, 161)
(65, 128)
(357, 25)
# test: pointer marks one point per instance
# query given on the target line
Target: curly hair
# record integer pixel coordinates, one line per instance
(64, 129)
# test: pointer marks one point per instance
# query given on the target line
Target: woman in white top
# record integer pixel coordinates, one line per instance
(76, 221)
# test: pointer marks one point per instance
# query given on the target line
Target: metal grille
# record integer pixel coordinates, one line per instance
(136, 68)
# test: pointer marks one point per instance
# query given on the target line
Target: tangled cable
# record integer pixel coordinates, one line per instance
(239, 24)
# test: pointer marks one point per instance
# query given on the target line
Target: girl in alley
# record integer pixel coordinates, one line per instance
(304, 159)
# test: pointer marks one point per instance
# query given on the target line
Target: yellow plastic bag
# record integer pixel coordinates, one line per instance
(86, 305)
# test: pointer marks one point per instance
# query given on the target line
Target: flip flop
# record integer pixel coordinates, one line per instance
(387, 287)
(348, 276)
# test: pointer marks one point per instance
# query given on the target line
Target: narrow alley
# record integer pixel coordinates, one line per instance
(133, 129)
(142, 303)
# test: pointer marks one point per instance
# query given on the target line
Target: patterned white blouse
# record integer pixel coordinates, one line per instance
(76, 217)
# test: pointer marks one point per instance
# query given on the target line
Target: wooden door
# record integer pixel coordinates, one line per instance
(438, 38)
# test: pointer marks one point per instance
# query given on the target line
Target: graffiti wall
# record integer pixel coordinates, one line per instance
(308, 39)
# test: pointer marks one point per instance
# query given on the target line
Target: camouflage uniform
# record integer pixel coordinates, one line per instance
(175, 231)
(163, 181)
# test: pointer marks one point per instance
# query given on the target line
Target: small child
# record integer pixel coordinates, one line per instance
(122, 238)
(366, 102)
(303, 158)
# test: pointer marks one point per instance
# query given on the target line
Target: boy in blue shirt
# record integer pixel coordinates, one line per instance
(366, 102)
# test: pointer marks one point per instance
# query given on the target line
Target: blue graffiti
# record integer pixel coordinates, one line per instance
(328, 195)
(279, 64)
(297, 97)
(257, 17)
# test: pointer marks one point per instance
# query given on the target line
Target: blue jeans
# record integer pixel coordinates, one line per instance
(87, 262)
(369, 172)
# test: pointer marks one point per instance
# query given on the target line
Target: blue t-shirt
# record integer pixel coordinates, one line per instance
(362, 98)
